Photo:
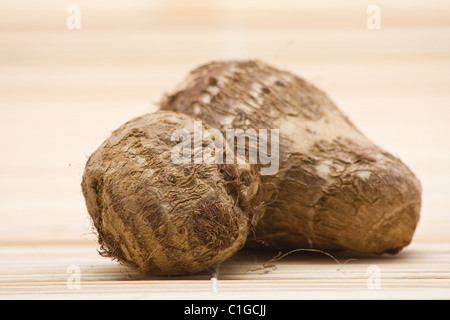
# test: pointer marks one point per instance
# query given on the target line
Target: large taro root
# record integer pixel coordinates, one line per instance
(163, 218)
(335, 189)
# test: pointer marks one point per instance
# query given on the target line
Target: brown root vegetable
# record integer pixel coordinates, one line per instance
(335, 189)
(162, 218)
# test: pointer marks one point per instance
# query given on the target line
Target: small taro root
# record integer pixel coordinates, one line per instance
(162, 218)
(335, 189)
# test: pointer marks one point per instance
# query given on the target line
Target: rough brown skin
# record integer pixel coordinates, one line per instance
(335, 189)
(161, 218)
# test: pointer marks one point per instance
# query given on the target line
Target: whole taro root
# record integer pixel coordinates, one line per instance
(335, 189)
(163, 218)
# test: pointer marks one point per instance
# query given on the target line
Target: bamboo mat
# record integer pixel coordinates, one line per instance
(62, 92)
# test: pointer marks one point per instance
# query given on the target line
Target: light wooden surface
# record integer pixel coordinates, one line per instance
(63, 91)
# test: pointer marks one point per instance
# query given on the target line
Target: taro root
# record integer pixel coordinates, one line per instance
(163, 218)
(335, 189)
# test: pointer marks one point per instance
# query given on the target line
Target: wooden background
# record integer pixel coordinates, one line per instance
(63, 91)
